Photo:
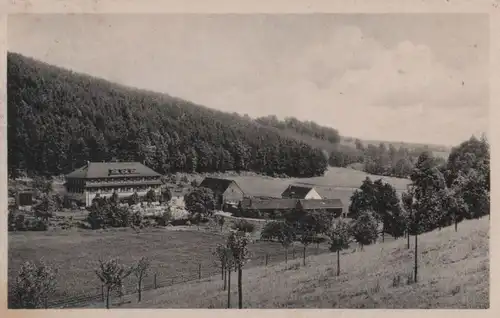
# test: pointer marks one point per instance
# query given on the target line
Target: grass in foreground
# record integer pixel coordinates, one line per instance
(174, 253)
(453, 273)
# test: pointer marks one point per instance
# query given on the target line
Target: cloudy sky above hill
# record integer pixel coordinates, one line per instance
(414, 77)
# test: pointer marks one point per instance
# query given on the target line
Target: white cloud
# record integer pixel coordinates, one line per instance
(365, 89)
(334, 75)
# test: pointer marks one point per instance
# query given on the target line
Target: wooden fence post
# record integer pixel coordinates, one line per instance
(199, 271)
(154, 278)
(267, 258)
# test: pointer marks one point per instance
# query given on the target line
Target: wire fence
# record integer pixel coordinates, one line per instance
(156, 279)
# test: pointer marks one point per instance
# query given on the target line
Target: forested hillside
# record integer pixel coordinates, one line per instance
(379, 158)
(57, 120)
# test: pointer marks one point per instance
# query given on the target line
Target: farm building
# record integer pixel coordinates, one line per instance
(106, 178)
(300, 192)
(268, 205)
(333, 206)
(226, 191)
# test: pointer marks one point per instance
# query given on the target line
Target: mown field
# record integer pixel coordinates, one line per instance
(453, 273)
(337, 183)
(175, 253)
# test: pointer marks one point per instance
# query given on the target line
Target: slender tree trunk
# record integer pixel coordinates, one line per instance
(140, 294)
(240, 287)
(286, 255)
(107, 296)
(229, 288)
(304, 256)
(225, 278)
(383, 232)
(415, 278)
(408, 239)
(338, 262)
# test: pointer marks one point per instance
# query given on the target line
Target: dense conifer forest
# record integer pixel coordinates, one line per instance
(58, 119)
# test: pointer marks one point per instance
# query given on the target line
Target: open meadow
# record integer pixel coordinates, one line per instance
(453, 273)
(336, 183)
(175, 253)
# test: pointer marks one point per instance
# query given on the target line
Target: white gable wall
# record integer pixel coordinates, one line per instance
(313, 195)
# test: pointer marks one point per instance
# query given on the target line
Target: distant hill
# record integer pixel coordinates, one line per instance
(438, 150)
(395, 159)
(59, 119)
(330, 139)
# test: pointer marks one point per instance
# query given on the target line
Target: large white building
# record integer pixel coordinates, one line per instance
(106, 178)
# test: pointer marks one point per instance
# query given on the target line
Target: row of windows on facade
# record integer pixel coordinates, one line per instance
(120, 180)
(111, 190)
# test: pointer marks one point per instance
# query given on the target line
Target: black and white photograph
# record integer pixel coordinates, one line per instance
(248, 161)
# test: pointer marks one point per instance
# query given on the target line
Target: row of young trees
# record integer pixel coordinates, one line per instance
(233, 255)
(58, 120)
(441, 194)
(36, 281)
(317, 227)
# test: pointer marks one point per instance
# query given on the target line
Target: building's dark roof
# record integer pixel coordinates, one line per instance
(271, 204)
(296, 192)
(217, 185)
(112, 170)
(321, 204)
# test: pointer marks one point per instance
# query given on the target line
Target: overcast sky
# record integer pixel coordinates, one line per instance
(415, 78)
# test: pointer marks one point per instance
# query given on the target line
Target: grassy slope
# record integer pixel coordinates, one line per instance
(454, 273)
(172, 251)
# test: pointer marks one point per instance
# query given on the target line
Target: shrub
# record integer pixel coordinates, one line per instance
(164, 219)
(271, 230)
(200, 200)
(37, 225)
(220, 220)
(364, 229)
(248, 213)
(151, 196)
(243, 226)
(33, 285)
(166, 195)
(179, 214)
(20, 223)
(133, 199)
(136, 218)
(11, 220)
